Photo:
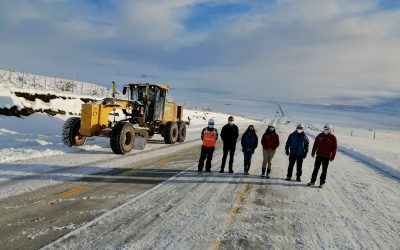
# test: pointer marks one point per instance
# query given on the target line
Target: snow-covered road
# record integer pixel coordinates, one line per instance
(358, 209)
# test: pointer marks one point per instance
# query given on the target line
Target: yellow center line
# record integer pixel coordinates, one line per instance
(249, 202)
(216, 244)
(72, 191)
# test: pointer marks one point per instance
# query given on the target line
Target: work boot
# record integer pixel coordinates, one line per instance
(221, 171)
(262, 172)
(267, 176)
(288, 179)
(231, 170)
(298, 179)
(208, 170)
(310, 183)
(321, 185)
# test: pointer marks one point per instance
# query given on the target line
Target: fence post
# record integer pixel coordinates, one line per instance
(23, 76)
(90, 89)
(45, 82)
(10, 75)
(55, 83)
(34, 81)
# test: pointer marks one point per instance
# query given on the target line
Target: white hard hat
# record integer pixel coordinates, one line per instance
(272, 125)
(300, 125)
(211, 122)
(328, 126)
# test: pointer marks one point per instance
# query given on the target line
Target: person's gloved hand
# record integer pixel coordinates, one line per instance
(312, 155)
(304, 156)
(331, 159)
(287, 152)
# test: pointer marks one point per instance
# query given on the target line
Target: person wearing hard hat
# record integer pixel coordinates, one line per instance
(270, 142)
(325, 147)
(296, 148)
(209, 136)
(229, 135)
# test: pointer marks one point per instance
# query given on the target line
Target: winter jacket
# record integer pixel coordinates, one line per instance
(298, 144)
(270, 140)
(229, 135)
(325, 146)
(249, 141)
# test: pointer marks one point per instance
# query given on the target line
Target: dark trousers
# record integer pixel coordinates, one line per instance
(247, 158)
(325, 163)
(231, 151)
(292, 160)
(206, 153)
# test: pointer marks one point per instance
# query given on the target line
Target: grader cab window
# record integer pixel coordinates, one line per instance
(137, 94)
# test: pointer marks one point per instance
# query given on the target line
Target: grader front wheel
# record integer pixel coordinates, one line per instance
(122, 138)
(70, 132)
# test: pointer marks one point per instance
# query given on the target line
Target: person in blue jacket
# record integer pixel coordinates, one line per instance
(297, 149)
(249, 144)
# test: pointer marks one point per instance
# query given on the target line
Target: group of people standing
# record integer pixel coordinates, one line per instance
(296, 148)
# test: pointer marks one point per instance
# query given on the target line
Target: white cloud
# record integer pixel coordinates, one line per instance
(293, 49)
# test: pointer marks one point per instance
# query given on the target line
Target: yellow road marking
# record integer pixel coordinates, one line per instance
(250, 201)
(234, 211)
(72, 191)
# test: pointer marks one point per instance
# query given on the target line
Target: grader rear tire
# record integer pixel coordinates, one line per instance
(171, 133)
(122, 138)
(70, 132)
(181, 131)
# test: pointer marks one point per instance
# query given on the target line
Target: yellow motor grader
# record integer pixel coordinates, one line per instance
(147, 110)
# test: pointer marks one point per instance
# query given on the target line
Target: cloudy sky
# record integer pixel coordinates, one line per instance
(298, 50)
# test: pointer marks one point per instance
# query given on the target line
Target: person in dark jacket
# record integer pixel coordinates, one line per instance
(229, 135)
(325, 146)
(270, 142)
(297, 149)
(209, 136)
(249, 144)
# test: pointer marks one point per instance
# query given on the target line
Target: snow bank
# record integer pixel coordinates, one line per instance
(372, 161)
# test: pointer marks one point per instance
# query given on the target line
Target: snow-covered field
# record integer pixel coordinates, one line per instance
(358, 209)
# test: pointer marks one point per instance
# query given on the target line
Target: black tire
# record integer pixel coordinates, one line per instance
(171, 133)
(70, 132)
(181, 131)
(122, 138)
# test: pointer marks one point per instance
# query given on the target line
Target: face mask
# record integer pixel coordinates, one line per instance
(230, 122)
(211, 126)
(271, 129)
(326, 132)
(299, 130)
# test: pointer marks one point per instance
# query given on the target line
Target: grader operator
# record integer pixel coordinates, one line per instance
(148, 110)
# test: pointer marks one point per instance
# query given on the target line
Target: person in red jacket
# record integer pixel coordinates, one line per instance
(325, 146)
(270, 142)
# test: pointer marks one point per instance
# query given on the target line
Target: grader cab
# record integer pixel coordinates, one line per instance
(147, 110)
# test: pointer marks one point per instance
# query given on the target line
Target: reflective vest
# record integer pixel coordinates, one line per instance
(209, 138)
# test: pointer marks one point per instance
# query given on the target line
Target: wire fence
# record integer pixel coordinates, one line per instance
(53, 84)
